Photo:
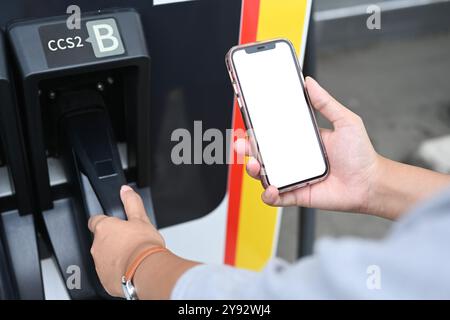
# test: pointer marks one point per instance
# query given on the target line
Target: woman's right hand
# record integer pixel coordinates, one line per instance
(354, 164)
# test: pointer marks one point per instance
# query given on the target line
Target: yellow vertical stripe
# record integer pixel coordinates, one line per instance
(257, 221)
(282, 19)
(257, 227)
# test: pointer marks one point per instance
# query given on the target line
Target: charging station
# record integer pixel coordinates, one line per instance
(97, 106)
(19, 258)
(84, 97)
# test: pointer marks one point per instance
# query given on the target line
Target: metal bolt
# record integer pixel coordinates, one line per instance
(110, 80)
(52, 95)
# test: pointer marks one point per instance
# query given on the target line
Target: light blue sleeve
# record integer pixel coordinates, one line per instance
(413, 262)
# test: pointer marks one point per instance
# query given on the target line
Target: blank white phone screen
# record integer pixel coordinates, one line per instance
(280, 116)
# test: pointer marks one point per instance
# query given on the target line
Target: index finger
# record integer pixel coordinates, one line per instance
(242, 147)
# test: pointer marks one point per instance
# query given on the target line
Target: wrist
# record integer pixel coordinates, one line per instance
(157, 275)
(397, 187)
(135, 252)
(377, 188)
(391, 194)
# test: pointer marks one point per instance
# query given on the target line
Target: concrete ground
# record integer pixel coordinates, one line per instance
(401, 90)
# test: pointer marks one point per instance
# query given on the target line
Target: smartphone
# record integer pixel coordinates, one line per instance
(275, 106)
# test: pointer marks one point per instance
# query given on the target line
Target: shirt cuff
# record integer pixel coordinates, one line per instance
(212, 282)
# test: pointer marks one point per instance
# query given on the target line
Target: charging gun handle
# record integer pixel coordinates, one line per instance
(90, 135)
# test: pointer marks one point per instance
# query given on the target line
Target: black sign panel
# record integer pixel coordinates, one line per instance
(94, 40)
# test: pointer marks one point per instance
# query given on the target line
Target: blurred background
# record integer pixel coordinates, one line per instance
(396, 78)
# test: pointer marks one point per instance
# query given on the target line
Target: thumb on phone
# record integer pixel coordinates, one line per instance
(329, 107)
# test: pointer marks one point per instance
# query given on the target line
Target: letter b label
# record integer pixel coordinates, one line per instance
(105, 38)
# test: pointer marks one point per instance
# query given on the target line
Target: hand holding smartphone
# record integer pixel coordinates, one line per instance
(269, 86)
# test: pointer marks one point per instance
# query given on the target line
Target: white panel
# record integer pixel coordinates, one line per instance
(201, 240)
(301, 55)
(160, 2)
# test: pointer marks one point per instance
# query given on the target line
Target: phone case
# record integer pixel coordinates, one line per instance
(244, 111)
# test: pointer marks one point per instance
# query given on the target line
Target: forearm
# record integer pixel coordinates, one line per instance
(158, 274)
(399, 187)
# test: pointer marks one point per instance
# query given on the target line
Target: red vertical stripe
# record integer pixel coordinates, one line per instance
(250, 15)
(249, 28)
